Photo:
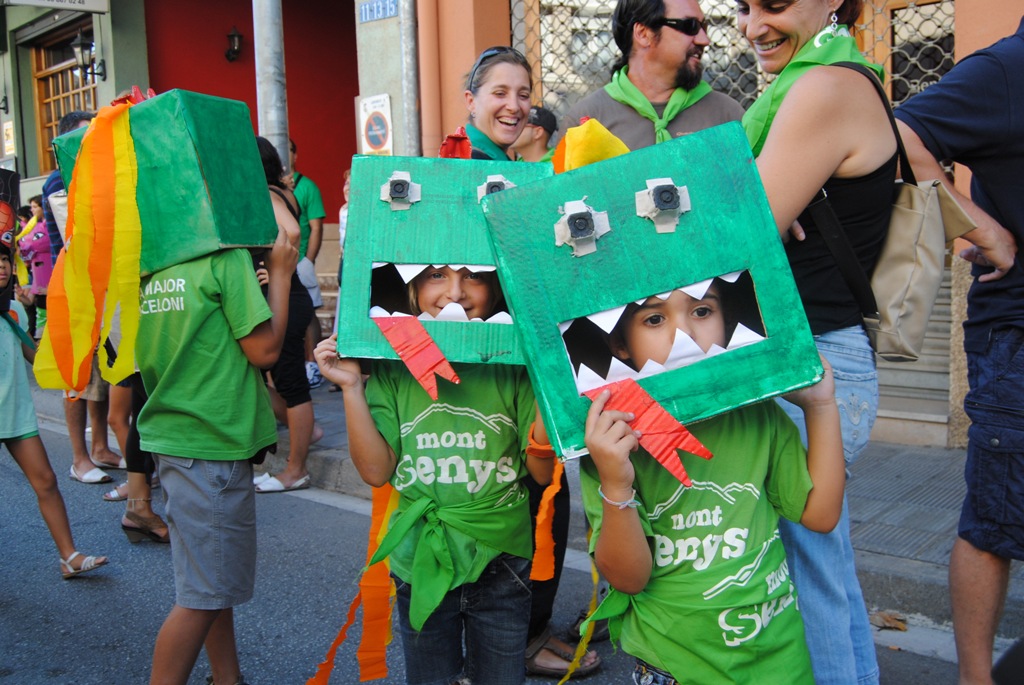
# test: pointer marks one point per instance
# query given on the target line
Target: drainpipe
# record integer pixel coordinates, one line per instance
(271, 95)
(410, 80)
(430, 76)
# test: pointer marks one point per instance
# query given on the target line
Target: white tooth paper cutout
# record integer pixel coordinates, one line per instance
(400, 204)
(715, 350)
(743, 336)
(607, 319)
(474, 268)
(563, 327)
(685, 351)
(453, 311)
(380, 312)
(665, 220)
(664, 296)
(588, 380)
(500, 318)
(580, 246)
(698, 290)
(410, 271)
(731, 277)
(377, 265)
(618, 371)
(651, 368)
(481, 189)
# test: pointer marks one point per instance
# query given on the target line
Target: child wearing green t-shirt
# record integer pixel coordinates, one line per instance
(701, 589)
(459, 542)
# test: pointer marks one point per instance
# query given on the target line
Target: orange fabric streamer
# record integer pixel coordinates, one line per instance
(418, 350)
(660, 433)
(375, 593)
(544, 553)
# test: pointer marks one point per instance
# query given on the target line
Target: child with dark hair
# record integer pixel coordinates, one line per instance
(700, 586)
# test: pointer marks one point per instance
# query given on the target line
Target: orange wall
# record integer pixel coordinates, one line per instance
(979, 23)
(186, 43)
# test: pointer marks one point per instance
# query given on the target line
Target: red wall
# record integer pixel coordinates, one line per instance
(186, 43)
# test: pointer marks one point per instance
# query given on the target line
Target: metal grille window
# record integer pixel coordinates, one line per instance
(570, 44)
(60, 87)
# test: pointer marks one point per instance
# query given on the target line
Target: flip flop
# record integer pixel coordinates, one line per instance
(92, 477)
(272, 484)
(544, 641)
(256, 480)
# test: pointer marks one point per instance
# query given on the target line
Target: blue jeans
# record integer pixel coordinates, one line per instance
(839, 636)
(992, 517)
(492, 615)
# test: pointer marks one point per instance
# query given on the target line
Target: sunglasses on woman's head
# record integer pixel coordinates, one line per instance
(489, 53)
(690, 26)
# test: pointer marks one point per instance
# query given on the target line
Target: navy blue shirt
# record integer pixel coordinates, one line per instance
(975, 116)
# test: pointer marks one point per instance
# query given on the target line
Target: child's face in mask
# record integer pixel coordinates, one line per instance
(651, 328)
(440, 286)
(5, 270)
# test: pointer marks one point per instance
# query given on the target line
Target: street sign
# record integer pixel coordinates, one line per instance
(375, 125)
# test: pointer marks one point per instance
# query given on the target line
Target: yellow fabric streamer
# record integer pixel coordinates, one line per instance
(20, 268)
(97, 272)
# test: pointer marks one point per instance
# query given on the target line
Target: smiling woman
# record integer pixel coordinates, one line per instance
(498, 100)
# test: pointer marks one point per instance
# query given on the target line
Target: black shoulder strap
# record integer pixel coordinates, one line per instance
(287, 203)
(828, 223)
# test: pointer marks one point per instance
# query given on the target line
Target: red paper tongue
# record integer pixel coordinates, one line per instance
(660, 434)
(456, 145)
(418, 350)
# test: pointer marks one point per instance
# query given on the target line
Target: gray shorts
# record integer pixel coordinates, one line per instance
(307, 275)
(211, 515)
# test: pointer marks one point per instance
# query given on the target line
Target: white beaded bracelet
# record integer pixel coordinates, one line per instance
(631, 503)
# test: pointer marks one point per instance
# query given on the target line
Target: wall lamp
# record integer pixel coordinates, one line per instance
(83, 50)
(234, 45)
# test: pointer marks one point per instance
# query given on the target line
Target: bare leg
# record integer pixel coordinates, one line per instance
(101, 452)
(300, 430)
(178, 644)
(74, 416)
(221, 649)
(977, 586)
(30, 456)
(119, 415)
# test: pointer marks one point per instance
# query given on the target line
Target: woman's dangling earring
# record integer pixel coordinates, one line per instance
(834, 28)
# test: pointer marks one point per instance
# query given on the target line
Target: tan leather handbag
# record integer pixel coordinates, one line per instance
(898, 301)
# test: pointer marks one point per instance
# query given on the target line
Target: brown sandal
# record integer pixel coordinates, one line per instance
(544, 641)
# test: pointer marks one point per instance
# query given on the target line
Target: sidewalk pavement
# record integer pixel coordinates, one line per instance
(904, 507)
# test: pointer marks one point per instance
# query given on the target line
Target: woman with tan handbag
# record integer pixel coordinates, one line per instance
(823, 127)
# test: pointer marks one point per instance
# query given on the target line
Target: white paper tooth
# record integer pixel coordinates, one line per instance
(715, 350)
(501, 318)
(586, 379)
(640, 301)
(476, 268)
(453, 311)
(698, 290)
(564, 326)
(743, 336)
(377, 265)
(618, 371)
(378, 312)
(733, 277)
(607, 319)
(410, 271)
(651, 368)
(684, 352)
(664, 296)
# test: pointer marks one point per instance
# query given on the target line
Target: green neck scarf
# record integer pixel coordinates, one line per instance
(22, 335)
(479, 140)
(433, 571)
(621, 89)
(824, 48)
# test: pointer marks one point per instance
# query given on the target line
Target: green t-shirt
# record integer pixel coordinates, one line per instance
(467, 446)
(720, 606)
(311, 206)
(206, 401)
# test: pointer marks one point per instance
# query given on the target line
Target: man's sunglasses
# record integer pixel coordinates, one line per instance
(492, 52)
(690, 26)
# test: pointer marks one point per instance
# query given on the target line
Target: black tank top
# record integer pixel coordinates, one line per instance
(295, 212)
(863, 206)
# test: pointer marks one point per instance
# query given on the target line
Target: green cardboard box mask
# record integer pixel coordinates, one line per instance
(201, 186)
(608, 267)
(408, 213)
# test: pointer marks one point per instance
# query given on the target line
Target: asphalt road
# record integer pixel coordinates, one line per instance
(100, 628)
